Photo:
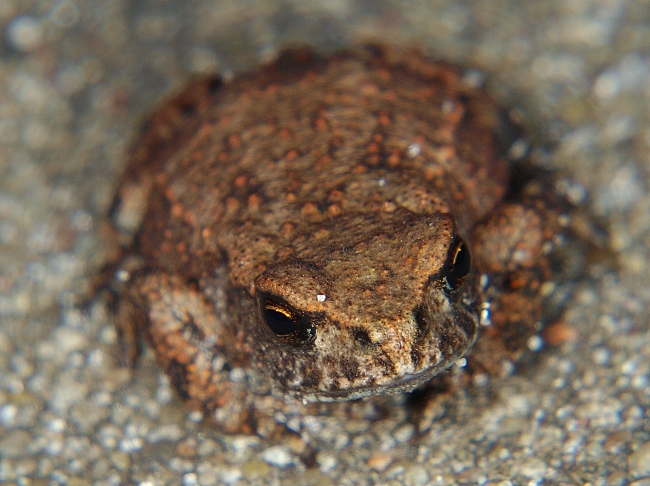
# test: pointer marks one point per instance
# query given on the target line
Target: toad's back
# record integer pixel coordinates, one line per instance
(263, 162)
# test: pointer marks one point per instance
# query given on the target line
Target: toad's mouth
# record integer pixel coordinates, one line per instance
(403, 384)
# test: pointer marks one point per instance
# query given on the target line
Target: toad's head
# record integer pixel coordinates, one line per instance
(375, 304)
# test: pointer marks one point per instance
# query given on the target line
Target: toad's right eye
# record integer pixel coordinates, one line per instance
(289, 325)
(458, 266)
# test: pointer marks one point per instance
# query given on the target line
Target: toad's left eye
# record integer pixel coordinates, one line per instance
(289, 326)
(458, 266)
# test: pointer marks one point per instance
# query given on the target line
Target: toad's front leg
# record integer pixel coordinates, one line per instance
(512, 247)
(189, 341)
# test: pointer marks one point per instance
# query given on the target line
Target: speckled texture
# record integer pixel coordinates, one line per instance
(78, 78)
(356, 178)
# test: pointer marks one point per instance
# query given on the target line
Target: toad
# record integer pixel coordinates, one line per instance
(327, 229)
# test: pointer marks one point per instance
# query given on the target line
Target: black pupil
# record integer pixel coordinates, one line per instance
(459, 264)
(280, 323)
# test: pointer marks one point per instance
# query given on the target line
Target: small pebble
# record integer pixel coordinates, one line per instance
(405, 432)
(25, 33)
(255, 469)
(277, 456)
(230, 475)
(416, 476)
(380, 461)
(14, 443)
(559, 332)
(326, 462)
(638, 464)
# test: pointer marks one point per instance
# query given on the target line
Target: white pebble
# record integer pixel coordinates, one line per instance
(277, 456)
(413, 150)
(638, 463)
(195, 416)
(190, 479)
(416, 476)
(535, 343)
(601, 356)
(230, 476)
(607, 85)
(326, 462)
(25, 33)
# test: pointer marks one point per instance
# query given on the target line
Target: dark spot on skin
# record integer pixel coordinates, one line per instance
(350, 368)
(416, 357)
(214, 84)
(336, 384)
(322, 206)
(443, 343)
(329, 361)
(421, 319)
(384, 363)
(311, 377)
(189, 324)
(285, 369)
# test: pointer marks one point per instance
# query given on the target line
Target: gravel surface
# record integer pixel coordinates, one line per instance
(76, 79)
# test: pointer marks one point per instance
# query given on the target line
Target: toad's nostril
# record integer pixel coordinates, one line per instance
(362, 338)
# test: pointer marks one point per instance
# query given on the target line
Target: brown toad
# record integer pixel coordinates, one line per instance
(319, 229)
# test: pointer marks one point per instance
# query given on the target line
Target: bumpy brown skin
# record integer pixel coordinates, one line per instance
(335, 191)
